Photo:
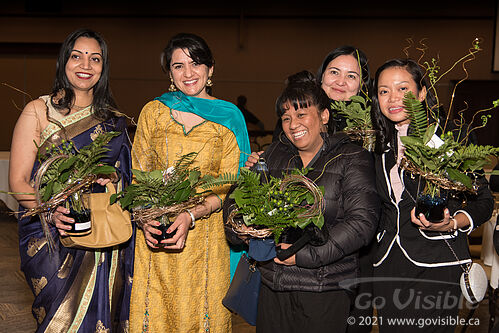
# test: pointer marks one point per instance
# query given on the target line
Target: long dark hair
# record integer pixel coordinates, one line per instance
(199, 51)
(103, 101)
(302, 91)
(384, 127)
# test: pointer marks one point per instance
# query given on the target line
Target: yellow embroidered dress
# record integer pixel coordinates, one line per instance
(181, 291)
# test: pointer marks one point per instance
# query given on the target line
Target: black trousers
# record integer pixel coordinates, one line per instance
(410, 298)
(362, 309)
(302, 311)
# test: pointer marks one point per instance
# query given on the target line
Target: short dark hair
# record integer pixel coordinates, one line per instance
(348, 50)
(103, 100)
(385, 128)
(302, 91)
(198, 49)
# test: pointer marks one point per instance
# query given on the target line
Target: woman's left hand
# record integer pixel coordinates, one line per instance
(104, 179)
(181, 224)
(444, 226)
(289, 261)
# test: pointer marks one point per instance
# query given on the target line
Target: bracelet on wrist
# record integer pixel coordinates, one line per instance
(454, 225)
(193, 219)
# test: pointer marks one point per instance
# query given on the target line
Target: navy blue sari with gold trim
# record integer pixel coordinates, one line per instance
(77, 290)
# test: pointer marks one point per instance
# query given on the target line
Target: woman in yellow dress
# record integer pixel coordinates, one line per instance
(179, 283)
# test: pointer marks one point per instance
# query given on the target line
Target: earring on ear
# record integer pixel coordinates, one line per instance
(326, 130)
(209, 83)
(172, 87)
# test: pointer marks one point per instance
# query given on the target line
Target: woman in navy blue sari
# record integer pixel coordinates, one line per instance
(75, 290)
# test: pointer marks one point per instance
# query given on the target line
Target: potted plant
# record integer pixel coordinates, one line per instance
(163, 194)
(65, 176)
(448, 162)
(357, 113)
(267, 206)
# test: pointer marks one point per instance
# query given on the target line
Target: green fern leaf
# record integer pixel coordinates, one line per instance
(417, 114)
(223, 179)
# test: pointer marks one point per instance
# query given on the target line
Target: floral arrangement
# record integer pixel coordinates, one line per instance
(65, 174)
(270, 205)
(168, 192)
(357, 113)
(448, 161)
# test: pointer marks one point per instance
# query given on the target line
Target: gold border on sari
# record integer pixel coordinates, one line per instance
(66, 121)
(76, 295)
(73, 125)
(87, 296)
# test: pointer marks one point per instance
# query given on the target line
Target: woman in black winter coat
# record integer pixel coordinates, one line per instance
(418, 264)
(304, 292)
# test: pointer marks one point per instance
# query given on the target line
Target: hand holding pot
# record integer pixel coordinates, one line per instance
(181, 225)
(150, 228)
(289, 261)
(61, 221)
(444, 226)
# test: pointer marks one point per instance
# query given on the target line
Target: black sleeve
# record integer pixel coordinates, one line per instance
(481, 205)
(494, 181)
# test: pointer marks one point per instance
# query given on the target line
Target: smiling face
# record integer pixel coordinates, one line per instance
(303, 127)
(189, 76)
(393, 83)
(341, 78)
(84, 66)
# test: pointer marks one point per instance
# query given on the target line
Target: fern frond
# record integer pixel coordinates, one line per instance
(223, 179)
(417, 114)
(185, 161)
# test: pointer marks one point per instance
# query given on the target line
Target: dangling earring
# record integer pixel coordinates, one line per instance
(172, 87)
(209, 83)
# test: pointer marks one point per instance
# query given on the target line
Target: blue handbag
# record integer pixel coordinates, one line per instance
(242, 295)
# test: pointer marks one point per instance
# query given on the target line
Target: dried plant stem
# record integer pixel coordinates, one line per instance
(431, 177)
(143, 215)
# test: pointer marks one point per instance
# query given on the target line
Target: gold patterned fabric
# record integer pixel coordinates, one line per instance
(169, 288)
(76, 288)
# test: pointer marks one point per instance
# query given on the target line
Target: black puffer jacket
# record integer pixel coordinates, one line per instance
(351, 215)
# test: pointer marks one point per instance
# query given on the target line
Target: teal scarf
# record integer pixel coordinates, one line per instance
(220, 112)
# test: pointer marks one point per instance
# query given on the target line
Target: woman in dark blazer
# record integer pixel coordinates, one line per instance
(418, 264)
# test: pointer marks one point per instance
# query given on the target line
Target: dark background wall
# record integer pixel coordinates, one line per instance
(256, 45)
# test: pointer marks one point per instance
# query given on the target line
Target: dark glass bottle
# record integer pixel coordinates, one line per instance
(83, 222)
(82, 219)
(165, 224)
(262, 168)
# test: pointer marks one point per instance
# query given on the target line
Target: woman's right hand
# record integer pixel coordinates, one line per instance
(252, 159)
(149, 228)
(61, 220)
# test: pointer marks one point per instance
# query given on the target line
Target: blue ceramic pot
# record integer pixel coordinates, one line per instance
(431, 207)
